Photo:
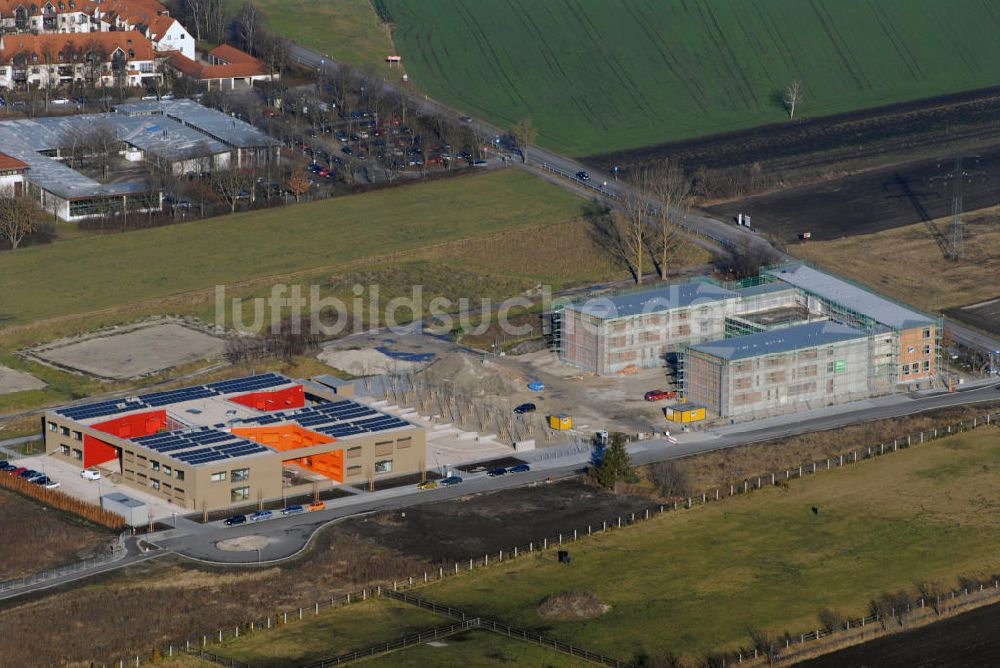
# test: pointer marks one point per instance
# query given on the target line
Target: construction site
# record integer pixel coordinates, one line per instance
(791, 338)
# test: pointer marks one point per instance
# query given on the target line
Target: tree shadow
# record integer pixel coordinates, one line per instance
(776, 99)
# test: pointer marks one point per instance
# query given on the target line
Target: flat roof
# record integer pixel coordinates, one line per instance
(28, 139)
(823, 285)
(780, 340)
(653, 300)
(228, 129)
(128, 501)
(202, 417)
(763, 289)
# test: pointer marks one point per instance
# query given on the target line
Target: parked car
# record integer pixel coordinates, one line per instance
(90, 474)
(450, 480)
(17, 470)
(41, 480)
(660, 395)
(291, 510)
(235, 519)
(260, 515)
(149, 97)
(28, 474)
(60, 101)
(525, 408)
(7, 467)
(428, 484)
(3, 463)
(52, 484)
(536, 386)
(519, 468)
(583, 176)
(480, 163)
(167, 96)
(317, 505)
(493, 473)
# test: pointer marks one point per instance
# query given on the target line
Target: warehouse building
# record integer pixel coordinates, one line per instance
(236, 441)
(716, 337)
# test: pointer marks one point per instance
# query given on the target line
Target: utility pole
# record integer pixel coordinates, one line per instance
(956, 246)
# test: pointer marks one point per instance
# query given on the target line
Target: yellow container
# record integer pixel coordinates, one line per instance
(560, 422)
(685, 413)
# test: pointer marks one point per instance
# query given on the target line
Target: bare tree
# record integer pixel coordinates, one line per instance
(524, 133)
(671, 189)
(298, 184)
(233, 184)
(95, 143)
(247, 24)
(18, 218)
(635, 219)
(669, 478)
(793, 96)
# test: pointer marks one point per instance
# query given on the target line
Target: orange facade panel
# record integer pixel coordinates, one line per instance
(284, 437)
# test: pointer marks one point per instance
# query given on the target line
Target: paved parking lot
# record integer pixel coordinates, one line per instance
(68, 477)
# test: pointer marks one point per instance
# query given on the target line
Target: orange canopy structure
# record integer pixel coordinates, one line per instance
(290, 437)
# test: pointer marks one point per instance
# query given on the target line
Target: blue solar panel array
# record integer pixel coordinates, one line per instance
(188, 446)
(155, 399)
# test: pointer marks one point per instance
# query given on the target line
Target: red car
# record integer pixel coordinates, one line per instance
(18, 471)
(660, 395)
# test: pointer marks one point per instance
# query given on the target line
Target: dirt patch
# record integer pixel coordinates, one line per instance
(984, 315)
(470, 376)
(131, 352)
(366, 362)
(12, 380)
(478, 524)
(571, 606)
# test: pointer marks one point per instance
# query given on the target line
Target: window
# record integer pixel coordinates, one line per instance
(240, 475)
(927, 333)
(53, 426)
(354, 453)
(77, 436)
(154, 483)
(65, 431)
(166, 470)
(927, 350)
(383, 466)
(77, 454)
(404, 442)
(927, 365)
(354, 470)
(906, 369)
(65, 449)
(180, 474)
(383, 448)
(219, 477)
(153, 464)
(240, 493)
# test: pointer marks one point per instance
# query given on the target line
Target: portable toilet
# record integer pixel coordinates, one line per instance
(561, 422)
(684, 413)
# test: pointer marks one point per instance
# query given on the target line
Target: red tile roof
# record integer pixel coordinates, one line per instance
(198, 70)
(8, 163)
(55, 44)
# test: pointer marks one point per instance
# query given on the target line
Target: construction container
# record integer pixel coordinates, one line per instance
(135, 512)
(684, 413)
(561, 422)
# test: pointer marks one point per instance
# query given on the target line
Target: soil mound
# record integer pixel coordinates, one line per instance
(573, 605)
(468, 375)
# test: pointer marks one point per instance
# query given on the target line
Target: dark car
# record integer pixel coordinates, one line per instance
(525, 408)
(497, 471)
(583, 176)
(236, 519)
(347, 150)
(29, 473)
(291, 510)
(7, 466)
(3, 464)
(450, 480)
(42, 480)
(519, 468)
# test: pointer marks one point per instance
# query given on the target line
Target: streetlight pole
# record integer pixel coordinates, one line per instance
(258, 556)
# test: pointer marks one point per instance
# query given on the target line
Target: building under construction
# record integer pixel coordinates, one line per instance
(793, 336)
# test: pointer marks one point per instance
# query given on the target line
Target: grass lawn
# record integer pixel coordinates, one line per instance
(87, 274)
(471, 649)
(696, 581)
(330, 633)
(894, 261)
(347, 30)
(598, 76)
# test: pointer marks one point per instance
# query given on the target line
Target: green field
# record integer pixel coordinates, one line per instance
(330, 633)
(597, 76)
(696, 581)
(86, 274)
(346, 30)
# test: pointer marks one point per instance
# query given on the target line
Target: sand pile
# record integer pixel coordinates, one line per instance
(365, 362)
(468, 375)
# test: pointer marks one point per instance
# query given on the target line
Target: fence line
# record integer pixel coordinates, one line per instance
(570, 536)
(118, 551)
